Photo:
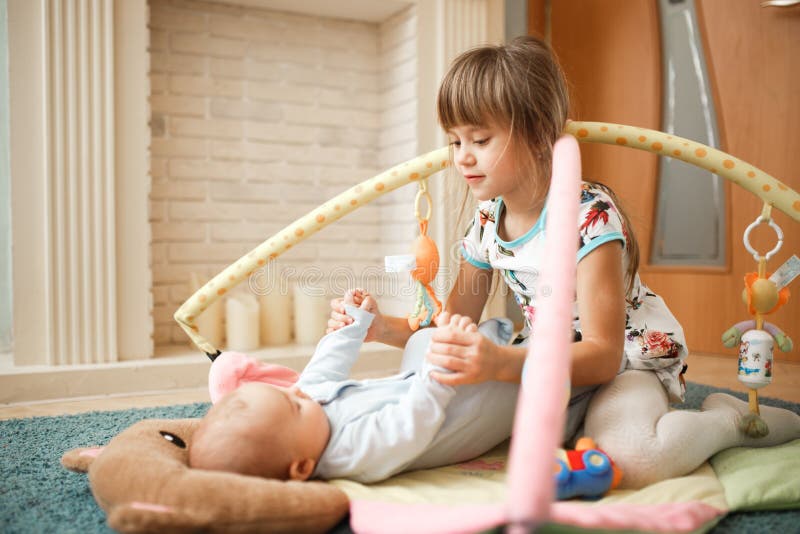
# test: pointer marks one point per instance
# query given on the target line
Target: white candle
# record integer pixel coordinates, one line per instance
(276, 317)
(311, 313)
(241, 321)
(210, 322)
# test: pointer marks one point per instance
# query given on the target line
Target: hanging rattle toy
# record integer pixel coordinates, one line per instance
(423, 264)
(763, 294)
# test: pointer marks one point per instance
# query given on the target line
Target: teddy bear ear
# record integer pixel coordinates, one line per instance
(79, 459)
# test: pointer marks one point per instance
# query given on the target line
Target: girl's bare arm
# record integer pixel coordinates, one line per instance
(600, 290)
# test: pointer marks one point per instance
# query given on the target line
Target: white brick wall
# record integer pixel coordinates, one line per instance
(257, 118)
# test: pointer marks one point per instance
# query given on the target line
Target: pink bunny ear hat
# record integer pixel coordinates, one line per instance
(232, 369)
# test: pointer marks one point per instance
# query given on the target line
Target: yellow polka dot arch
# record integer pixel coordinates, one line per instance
(307, 225)
(768, 188)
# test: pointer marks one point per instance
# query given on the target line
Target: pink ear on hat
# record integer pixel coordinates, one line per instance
(232, 369)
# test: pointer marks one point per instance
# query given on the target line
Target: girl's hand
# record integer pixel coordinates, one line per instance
(458, 346)
(356, 297)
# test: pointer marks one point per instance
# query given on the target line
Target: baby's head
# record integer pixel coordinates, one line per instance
(262, 430)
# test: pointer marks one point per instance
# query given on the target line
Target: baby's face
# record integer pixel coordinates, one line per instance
(290, 412)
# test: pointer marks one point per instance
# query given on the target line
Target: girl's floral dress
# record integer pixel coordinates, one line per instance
(654, 339)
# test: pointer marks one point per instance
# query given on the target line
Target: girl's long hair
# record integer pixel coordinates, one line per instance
(519, 86)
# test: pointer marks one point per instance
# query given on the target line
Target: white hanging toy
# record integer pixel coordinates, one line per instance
(763, 294)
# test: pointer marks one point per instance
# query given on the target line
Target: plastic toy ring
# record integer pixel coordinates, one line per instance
(427, 196)
(754, 252)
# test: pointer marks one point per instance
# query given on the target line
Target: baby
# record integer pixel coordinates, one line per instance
(330, 426)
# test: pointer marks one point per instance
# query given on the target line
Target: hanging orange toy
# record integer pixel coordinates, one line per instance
(426, 255)
(423, 264)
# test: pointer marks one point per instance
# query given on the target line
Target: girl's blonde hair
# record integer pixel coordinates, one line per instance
(519, 86)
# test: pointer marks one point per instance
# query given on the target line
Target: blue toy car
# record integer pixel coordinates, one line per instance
(585, 472)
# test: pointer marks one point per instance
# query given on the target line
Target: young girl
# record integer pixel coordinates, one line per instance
(503, 108)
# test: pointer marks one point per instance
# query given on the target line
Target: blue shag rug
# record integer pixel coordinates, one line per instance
(38, 495)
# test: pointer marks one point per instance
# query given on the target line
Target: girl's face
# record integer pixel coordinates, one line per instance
(485, 156)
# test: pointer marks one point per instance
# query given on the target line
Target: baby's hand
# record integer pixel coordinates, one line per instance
(354, 297)
(360, 298)
(369, 304)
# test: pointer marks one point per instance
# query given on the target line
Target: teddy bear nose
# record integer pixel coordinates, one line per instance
(172, 438)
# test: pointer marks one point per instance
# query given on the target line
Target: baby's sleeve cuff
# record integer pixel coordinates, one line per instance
(360, 316)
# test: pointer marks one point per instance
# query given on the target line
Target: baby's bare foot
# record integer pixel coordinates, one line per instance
(443, 319)
(462, 323)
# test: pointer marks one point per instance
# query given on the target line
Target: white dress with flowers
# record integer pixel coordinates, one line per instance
(654, 339)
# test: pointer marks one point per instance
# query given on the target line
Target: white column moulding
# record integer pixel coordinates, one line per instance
(129, 115)
(33, 330)
(79, 179)
(61, 56)
(78, 95)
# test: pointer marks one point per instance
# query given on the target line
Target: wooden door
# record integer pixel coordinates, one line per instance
(610, 50)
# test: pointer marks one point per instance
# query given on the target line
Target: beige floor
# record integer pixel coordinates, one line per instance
(711, 370)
